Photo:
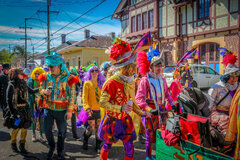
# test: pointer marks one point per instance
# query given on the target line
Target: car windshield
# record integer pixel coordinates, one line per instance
(169, 69)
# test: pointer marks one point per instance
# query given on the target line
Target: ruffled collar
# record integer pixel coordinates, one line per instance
(153, 75)
(125, 78)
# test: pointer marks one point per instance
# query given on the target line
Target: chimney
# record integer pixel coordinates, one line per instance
(86, 33)
(112, 35)
(63, 38)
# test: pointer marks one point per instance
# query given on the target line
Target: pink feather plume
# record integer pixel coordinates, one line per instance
(142, 63)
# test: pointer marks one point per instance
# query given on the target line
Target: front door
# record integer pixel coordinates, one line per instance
(209, 55)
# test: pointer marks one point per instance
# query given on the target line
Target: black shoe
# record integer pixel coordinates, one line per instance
(22, 148)
(85, 141)
(76, 137)
(50, 154)
(61, 156)
(14, 147)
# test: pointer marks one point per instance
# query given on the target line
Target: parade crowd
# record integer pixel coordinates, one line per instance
(120, 101)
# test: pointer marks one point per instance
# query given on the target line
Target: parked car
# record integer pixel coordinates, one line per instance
(203, 76)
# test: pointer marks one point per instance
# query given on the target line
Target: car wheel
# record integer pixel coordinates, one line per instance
(194, 84)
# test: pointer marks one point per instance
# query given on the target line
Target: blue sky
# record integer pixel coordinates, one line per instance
(13, 13)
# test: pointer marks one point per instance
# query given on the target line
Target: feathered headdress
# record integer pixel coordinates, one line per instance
(228, 56)
(118, 49)
(229, 60)
(145, 60)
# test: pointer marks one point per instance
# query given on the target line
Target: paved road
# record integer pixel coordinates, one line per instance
(73, 148)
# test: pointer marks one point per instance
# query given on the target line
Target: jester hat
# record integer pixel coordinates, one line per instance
(145, 60)
(121, 53)
(229, 60)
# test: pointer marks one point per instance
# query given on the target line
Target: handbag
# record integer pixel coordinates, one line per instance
(195, 129)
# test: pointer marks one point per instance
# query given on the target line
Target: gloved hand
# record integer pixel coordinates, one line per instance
(154, 112)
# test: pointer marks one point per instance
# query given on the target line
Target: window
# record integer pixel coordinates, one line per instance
(139, 22)
(79, 62)
(211, 54)
(133, 24)
(217, 52)
(199, 69)
(124, 23)
(150, 19)
(203, 8)
(144, 20)
(203, 54)
(211, 71)
(133, 2)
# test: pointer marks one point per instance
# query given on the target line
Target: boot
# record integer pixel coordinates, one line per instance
(85, 141)
(50, 153)
(22, 148)
(14, 147)
(61, 156)
(103, 155)
(98, 146)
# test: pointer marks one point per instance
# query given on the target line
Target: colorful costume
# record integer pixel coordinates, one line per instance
(175, 89)
(61, 100)
(223, 92)
(234, 123)
(116, 93)
(91, 96)
(34, 99)
(152, 91)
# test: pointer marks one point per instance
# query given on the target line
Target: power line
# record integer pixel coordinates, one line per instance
(78, 23)
(80, 16)
(77, 29)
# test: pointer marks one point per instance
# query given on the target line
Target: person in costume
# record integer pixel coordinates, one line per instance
(233, 131)
(222, 92)
(58, 89)
(73, 119)
(186, 77)
(94, 80)
(105, 67)
(3, 86)
(17, 100)
(35, 104)
(118, 99)
(175, 88)
(152, 91)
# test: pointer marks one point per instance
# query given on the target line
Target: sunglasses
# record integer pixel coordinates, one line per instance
(94, 70)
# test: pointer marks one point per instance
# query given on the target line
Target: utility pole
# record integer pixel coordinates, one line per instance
(33, 55)
(9, 48)
(48, 23)
(25, 38)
